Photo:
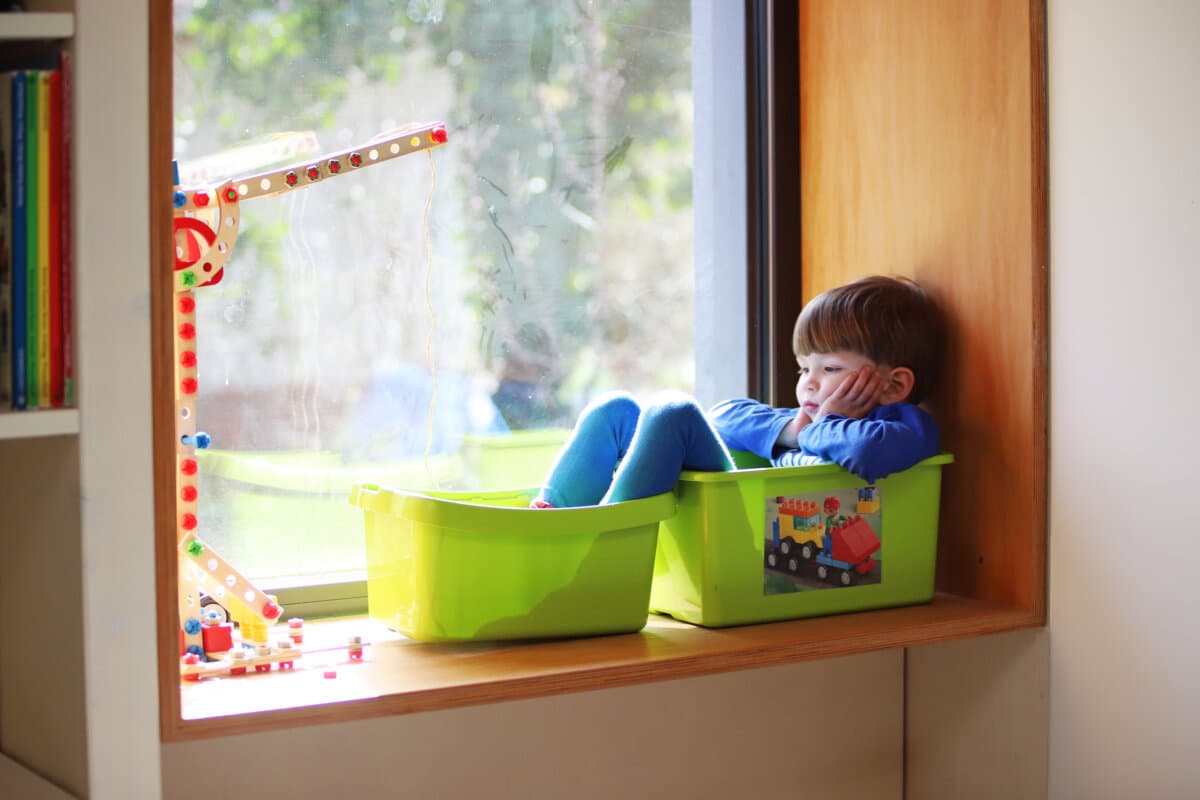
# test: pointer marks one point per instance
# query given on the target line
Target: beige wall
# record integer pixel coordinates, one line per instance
(959, 720)
(112, 313)
(1125, 250)
(831, 730)
(976, 719)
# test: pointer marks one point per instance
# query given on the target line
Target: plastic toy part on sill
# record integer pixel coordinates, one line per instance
(227, 655)
(240, 661)
(205, 231)
(482, 566)
(770, 543)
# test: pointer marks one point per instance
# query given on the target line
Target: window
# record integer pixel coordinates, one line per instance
(440, 319)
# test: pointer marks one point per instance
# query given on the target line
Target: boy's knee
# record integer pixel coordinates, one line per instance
(674, 408)
(615, 406)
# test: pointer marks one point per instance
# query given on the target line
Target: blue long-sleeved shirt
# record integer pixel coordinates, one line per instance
(890, 439)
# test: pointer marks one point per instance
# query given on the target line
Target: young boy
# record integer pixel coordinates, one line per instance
(867, 351)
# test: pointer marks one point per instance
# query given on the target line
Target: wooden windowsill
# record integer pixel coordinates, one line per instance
(400, 676)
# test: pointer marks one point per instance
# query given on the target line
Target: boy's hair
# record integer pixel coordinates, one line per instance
(889, 320)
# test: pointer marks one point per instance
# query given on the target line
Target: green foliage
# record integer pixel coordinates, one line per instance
(289, 58)
(572, 121)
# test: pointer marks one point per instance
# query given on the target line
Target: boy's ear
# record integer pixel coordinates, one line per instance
(898, 386)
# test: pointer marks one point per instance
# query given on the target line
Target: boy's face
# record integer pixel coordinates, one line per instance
(822, 373)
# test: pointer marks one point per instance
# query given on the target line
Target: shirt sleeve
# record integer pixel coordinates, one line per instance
(890, 439)
(749, 425)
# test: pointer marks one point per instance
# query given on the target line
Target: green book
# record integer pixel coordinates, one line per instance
(32, 336)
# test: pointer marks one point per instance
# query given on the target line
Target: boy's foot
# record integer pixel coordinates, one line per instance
(538, 502)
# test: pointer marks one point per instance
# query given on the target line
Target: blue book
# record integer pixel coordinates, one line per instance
(17, 231)
(33, 332)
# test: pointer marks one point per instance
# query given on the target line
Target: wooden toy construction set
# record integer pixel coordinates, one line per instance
(213, 595)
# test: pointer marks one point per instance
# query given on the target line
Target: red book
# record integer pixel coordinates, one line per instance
(65, 261)
(54, 335)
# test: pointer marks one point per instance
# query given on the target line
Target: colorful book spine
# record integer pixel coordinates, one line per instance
(54, 245)
(33, 343)
(17, 239)
(5, 249)
(35, 235)
(45, 335)
(66, 261)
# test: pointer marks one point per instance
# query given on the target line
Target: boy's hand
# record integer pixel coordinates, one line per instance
(789, 437)
(857, 395)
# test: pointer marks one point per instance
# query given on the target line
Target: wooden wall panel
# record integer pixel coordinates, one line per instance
(922, 131)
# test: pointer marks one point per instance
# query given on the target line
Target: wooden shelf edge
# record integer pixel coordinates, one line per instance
(457, 677)
(39, 422)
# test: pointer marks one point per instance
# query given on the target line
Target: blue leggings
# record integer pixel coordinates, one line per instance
(652, 445)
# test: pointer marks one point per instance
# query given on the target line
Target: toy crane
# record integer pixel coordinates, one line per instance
(205, 230)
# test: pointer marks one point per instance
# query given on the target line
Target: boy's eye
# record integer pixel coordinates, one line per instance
(832, 369)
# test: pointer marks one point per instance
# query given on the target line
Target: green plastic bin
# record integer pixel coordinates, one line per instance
(724, 559)
(505, 460)
(463, 566)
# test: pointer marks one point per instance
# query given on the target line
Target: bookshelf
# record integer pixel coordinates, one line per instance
(42, 743)
(75, 589)
(27, 32)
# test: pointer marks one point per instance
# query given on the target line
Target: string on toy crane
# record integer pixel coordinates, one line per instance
(306, 407)
(429, 305)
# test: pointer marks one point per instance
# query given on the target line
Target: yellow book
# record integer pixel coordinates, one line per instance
(30, 242)
(43, 238)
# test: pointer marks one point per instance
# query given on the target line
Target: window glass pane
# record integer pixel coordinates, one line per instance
(438, 319)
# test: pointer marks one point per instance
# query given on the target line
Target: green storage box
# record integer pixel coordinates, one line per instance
(774, 543)
(459, 566)
(505, 460)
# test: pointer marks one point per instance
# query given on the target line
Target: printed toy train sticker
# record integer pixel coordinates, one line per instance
(823, 540)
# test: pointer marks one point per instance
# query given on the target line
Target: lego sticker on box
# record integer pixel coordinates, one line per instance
(823, 540)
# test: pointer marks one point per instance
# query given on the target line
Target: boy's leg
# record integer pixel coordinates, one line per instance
(673, 434)
(584, 469)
